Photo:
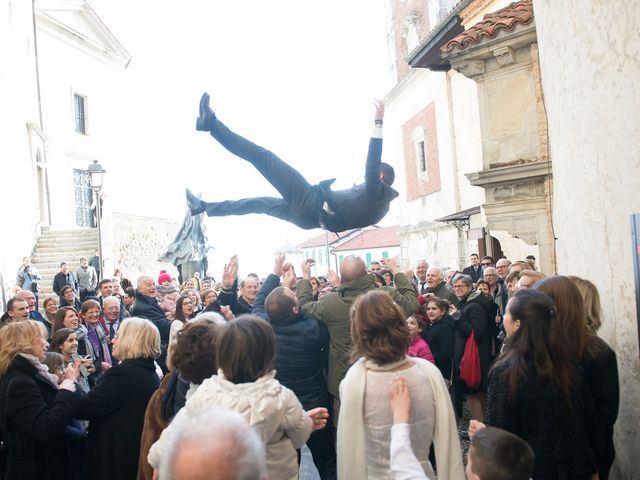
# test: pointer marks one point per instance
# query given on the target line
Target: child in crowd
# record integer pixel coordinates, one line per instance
(167, 295)
(495, 454)
(418, 347)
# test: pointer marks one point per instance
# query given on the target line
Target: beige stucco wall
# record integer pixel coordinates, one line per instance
(18, 100)
(65, 70)
(591, 79)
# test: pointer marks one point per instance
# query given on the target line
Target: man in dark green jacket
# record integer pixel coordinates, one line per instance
(334, 309)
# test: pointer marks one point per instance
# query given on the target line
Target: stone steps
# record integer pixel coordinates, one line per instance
(56, 246)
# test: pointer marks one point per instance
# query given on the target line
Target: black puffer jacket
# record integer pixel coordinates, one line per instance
(147, 307)
(475, 314)
(557, 432)
(301, 353)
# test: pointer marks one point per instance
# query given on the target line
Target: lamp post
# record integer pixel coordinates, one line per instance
(97, 173)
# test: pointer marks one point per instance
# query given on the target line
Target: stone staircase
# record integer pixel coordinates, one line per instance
(56, 246)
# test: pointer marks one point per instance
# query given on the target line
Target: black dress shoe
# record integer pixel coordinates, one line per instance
(196, 205)
(205, 121)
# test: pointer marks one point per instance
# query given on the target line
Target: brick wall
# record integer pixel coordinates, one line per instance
(421, 183)
(405, 14)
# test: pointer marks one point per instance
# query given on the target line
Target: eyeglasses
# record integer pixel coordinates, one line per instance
(456, 287)
(490, 275)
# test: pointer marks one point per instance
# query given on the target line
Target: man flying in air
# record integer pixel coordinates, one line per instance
(307, 206)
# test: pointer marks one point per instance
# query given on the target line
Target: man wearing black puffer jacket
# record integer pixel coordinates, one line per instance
(301, 357)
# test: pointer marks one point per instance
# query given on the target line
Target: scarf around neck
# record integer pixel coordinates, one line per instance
(43, 371)
(352, 462)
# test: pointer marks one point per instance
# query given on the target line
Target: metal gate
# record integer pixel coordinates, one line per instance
(83, 198)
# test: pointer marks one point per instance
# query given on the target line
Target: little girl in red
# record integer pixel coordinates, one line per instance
(167, 295)
(418, 347)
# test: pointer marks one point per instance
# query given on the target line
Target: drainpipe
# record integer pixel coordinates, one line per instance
(462, 247)
(40, 122)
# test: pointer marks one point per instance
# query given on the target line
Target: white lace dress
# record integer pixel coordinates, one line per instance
(378, 420)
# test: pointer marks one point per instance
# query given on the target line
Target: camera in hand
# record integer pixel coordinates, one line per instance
(83, 370)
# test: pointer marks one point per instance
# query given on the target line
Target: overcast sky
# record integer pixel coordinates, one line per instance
(294, 76)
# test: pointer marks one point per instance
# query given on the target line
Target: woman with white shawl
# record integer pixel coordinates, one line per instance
(380, 340)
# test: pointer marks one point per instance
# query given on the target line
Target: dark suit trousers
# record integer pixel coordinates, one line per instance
(301, 203)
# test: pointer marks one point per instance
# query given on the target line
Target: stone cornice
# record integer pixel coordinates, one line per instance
(510, 174)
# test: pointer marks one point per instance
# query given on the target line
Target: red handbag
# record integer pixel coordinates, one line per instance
(470, 372)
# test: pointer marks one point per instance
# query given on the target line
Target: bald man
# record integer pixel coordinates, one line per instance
(334, 309)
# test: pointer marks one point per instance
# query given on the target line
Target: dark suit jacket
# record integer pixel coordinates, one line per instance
(115, 407)
(147, 307)
(361, 205)
(60, 280)
(35, 415)
(475, 275)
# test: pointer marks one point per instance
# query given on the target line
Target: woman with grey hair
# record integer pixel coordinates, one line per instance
(215, 440)
(475, 316)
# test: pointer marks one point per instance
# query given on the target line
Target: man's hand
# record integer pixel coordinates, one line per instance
(306, 268)
(390, 264)
(333, 279)
(379, 109)
(289, 280)
(278, 268)
(230, 272)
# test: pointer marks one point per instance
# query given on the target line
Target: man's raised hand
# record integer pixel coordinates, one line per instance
(379, 109)
(230, 272)
(306, 268)
(390, 264)
(278, 268)
(333, 279)
(289, 280)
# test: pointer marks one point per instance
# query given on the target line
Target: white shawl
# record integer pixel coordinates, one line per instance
(351, 442)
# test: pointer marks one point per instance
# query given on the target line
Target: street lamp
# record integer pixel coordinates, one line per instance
(97, 173)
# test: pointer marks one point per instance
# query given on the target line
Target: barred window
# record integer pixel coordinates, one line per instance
(80, 110)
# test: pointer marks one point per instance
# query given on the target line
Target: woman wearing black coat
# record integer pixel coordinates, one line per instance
(474, 315)
(115, 407)
(598, 362)
(536, 391)
(34, 409)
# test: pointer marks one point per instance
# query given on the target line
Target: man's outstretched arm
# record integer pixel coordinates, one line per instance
(374, 156)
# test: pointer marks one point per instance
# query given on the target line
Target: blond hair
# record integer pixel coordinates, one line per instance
(138, 338)
(592, 307)
(15, 338)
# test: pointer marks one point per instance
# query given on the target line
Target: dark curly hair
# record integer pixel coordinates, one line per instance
(194, 354)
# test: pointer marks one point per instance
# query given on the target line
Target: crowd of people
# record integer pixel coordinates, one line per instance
(371, 368)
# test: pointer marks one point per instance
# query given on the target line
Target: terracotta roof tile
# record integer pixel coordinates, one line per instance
(506, 18)
(374, 238)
